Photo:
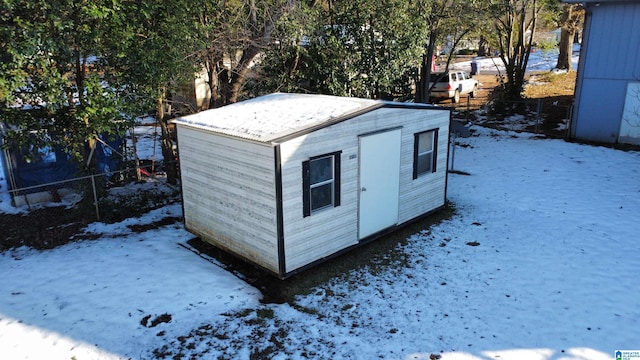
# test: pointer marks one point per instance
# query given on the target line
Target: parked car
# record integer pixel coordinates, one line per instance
(452, 85)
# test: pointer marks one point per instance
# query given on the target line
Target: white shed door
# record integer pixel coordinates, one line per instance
(379, 181)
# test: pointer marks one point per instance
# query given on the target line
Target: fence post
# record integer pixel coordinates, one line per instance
(95, 196)
(538, 115)
(567, 133)
(453, 150)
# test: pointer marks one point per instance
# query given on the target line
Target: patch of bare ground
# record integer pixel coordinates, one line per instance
(44, 228)
(555, 92)
(51, 226)
(546, 103)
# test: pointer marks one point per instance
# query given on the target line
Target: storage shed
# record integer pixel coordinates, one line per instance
(285, 181)
(607, 95)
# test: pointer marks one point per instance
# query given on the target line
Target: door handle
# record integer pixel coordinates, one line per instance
(364, 189)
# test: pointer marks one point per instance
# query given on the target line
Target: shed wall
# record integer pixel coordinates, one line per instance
(229, 194)
(308, 239)
(610, 59)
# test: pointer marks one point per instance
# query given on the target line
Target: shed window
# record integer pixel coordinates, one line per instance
(321, 182)
(425, 152)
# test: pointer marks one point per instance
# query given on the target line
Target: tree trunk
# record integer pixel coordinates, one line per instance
(565, 50)
(225, 82)
(570, 22)
(168, 152)
(293, 68)
(239, 74)
(423, 92)
(483, 46)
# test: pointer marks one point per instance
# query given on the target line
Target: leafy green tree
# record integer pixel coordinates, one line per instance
(150, 53)
(287, 65)
(383, 41)
(51, 93)
(358, 48)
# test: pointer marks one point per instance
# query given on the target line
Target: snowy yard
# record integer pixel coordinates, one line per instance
(539, 60)
(541, 261)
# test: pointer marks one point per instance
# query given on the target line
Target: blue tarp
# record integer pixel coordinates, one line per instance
(109, 156)
(53, 164)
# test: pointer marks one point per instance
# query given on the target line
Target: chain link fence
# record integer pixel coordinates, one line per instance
(52, 214)
(529, 115)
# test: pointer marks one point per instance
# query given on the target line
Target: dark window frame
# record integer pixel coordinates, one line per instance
(307, 185)
(433, 152)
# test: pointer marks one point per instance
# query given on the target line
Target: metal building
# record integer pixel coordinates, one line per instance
(607, 95)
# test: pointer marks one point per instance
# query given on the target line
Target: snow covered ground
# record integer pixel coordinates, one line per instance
(540, 261)
(538, 61)
(147, 143)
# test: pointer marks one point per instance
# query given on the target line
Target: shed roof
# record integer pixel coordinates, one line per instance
(267, 118)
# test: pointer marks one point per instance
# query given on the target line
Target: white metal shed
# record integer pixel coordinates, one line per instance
(285, 181)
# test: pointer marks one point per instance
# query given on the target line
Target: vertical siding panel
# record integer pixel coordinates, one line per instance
(614, 41)
(633, 51)
(627, 38)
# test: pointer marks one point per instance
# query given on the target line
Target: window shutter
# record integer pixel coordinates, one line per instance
(306, 203)
(435, 150)
(336, 178)
(415, 155)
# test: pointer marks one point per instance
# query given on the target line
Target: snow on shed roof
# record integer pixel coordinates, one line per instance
(269, 117)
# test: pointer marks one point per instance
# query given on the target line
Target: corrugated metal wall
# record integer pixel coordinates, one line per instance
(610, 58)
(614, 41)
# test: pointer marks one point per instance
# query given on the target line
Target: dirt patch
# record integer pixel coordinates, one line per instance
(164, 318)
(555, 94)
(43, 228)
(156, 224)
(53, 225)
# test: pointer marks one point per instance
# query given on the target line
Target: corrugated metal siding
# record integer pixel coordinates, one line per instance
(326, 232)
(614, 42)
(600, 117)
(229, 194)
(610, 59)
